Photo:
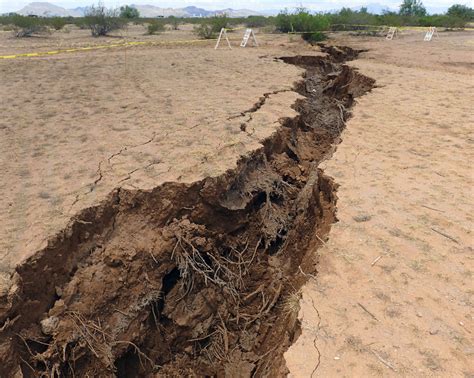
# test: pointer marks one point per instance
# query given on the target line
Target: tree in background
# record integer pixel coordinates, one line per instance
(101, 20)
(461, 11)
(412, 8)
(129, 13)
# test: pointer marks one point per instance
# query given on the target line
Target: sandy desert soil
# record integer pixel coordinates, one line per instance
(393, 293)
(75, 126)
(189, 276)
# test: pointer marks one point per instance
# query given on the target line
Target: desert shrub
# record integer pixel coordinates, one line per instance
(208, 28)
(80, 22)
(155, 26)
(174, 22)
(453, 22)
(204, 30)
(257, 21)
(283, 21)
(57, 23)
(310, 25)
(25, 26)
(129, 13)
(390, 18)
(102, 21)
(301, 21)
(218, 22)
(347, 16)
(314, 37)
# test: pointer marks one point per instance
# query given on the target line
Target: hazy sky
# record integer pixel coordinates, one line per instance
(13, 5)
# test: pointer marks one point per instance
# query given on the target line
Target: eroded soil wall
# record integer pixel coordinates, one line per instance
(197, 279)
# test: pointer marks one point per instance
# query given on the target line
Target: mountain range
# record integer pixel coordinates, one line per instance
(46, 9)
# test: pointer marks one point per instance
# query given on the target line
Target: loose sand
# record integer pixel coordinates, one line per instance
(75, 126)
(393, 295)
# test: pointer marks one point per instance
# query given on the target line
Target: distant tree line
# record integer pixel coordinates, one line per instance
(101, 20)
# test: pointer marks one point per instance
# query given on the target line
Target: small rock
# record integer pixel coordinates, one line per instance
(362, 218)
(434, 331)
(59, 291)
(48, 325)
(419, 314)
(337, 358)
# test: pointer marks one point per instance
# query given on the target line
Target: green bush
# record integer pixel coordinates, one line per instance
(25, 26)
(204, 30)
(310, 25)
(218, 23)
(174, 22)
(257, 21)
(314, 37)
(102, 21)
(347, 16)
(208, 28)
(301, 21)
(155, 26)
(453, 22)
(57, 23)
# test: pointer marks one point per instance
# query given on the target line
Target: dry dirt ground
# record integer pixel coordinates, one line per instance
(394, 291)
(75, 126)
(394, 284)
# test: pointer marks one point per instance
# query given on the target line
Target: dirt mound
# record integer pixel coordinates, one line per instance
(197, 279)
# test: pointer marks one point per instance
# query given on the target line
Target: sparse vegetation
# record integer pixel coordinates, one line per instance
(412, 13)
(314, 37)
(258, 21)
(101, 21)
(174, 22)
(155, 27)
(24, 26)
(219, 22)
(57, 23)
(204, 31)
(302, 21)
(211, 26)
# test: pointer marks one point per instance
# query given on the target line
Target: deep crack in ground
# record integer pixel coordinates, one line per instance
(189, 279)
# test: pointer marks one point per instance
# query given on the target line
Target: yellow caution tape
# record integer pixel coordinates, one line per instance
(155, 43)
(97, 47)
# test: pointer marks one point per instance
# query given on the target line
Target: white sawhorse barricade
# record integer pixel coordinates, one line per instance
(429, 34)
(248, 33)
(391, 33)
(223, 33)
